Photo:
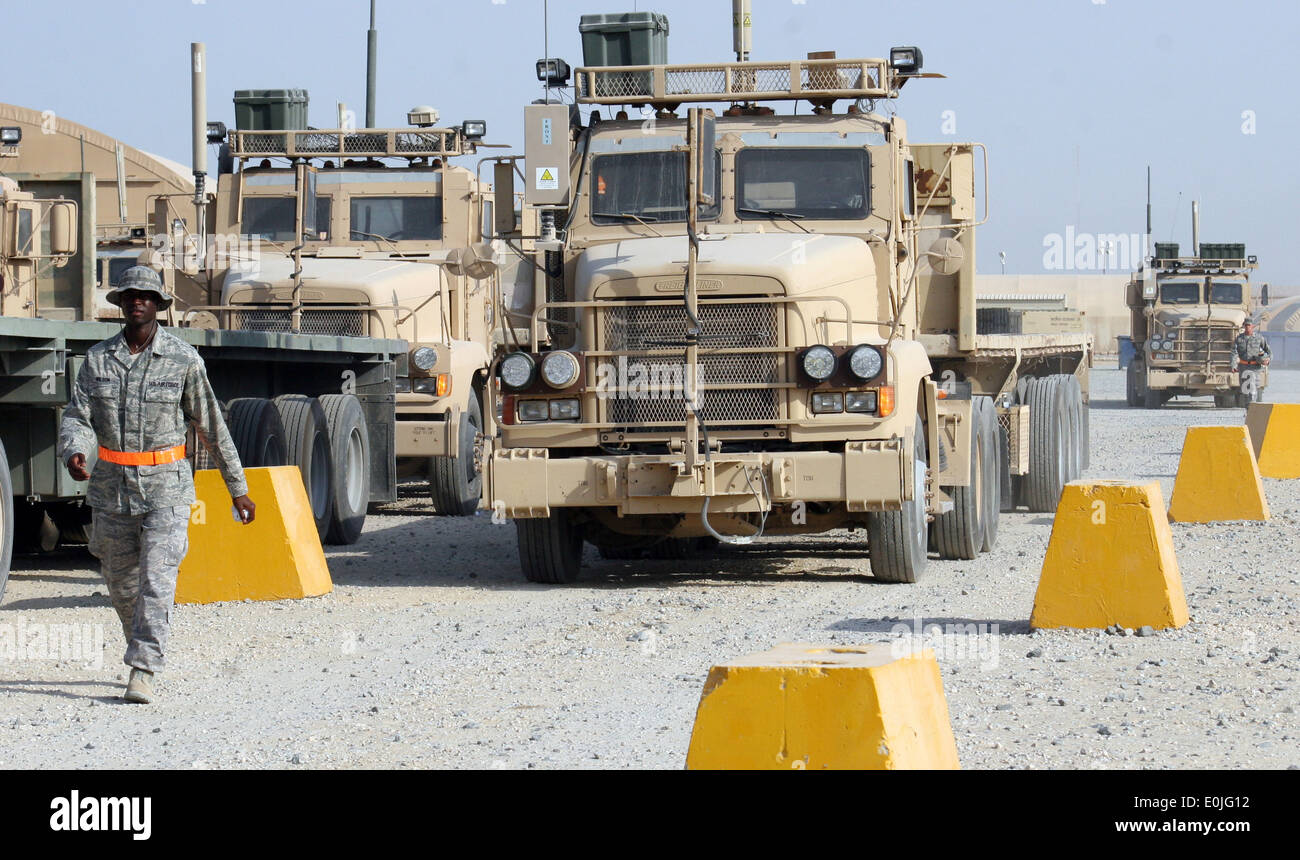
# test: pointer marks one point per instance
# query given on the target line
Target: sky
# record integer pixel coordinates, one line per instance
(1073, 98)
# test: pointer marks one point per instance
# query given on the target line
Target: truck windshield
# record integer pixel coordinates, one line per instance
(117, 267)
(826, 184)
(1225, 293)
(1181, 293)
(649, 185)
(396, 218)
(272, 218)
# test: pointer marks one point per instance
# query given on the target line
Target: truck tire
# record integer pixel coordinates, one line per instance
(550, 548)
(1131, 392)
(959, 533)
(456, 483)
(1049, 445)
(897, 539)
(1225, 400)
(258, 433)
(1072, 403)
(995, 465)
(6, 520)
(350, 464)
(307, 446)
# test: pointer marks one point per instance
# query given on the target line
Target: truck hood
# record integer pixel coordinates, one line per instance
(763, 262)
(333, 280)
(1169, 318)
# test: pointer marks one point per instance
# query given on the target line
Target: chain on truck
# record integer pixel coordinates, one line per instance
(1186, 314)
(763, 322)
(324, 403)
(361, 232)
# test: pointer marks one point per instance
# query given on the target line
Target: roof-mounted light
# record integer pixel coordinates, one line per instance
(11, 135)
(905, 60)
(553, 72)
(474, 129)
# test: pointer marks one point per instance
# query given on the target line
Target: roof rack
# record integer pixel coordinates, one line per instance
(1204, 263)
(345, 143)
(814, 80)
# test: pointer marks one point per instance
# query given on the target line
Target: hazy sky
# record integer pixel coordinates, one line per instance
(1074, 98)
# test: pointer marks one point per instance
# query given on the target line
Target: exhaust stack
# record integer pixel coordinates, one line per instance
(1196, 228)
(372, 57)
(199, 106)
(742, 19)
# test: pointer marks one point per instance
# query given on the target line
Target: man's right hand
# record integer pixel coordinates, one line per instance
(77, 467)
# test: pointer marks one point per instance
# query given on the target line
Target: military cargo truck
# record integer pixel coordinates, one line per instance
(394, 246)
(331, 397)
(1186, 315)
(764, 323)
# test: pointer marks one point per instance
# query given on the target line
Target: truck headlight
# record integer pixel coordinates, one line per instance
(565, 410)
(560, 369)
(403, 385)
(1168, 346)
(827, 401)
(860, 401)
(439, 385)
(517, 370)
(533, 410)
(424, 358)
(865, 362)
(819, 363)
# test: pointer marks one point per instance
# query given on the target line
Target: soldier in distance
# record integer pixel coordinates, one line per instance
(134, 398)
(1251, 347)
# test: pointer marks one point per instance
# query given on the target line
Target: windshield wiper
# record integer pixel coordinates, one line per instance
(776, 213)
(643, 220)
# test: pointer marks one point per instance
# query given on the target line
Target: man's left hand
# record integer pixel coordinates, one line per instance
(246, 509)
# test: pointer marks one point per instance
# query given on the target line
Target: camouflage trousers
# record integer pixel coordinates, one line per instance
(139, 556)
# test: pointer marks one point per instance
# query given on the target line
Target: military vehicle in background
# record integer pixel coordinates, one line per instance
(762, 323)
(325, 403)
(1186, 315)
(393, 246)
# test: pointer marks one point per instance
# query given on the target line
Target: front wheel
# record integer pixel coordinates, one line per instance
(897, 539)
(550, 548)
(350, 462)
(456, 483)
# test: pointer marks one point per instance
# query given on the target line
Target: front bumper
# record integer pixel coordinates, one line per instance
(866, 476)
(1196, 379)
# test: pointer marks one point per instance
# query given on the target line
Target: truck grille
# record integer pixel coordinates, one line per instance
(641, 328)
(340, 323)
(1197, 343)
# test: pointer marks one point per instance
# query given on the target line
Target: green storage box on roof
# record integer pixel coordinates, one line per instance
(1222, 251)
(624, 39)
(270, 110)
(1166, 250)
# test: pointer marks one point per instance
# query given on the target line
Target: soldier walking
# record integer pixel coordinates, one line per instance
(135, 396)
(1251, 346)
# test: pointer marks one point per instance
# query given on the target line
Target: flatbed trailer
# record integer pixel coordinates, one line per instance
(281, 391)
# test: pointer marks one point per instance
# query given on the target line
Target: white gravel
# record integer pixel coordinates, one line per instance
(433, 652)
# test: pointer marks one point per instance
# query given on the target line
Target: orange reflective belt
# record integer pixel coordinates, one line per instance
(142, 458)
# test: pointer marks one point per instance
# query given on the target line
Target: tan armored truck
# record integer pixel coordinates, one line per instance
(1186, 315)
(764, 324)
(393, 247)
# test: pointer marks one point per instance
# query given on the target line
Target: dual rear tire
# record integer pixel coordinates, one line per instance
(971, 527)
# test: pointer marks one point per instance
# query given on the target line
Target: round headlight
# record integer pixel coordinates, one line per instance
(424, 358)
(517, 370)
(819, 363)
(1169, 346)
(865, 362)
(560, 369)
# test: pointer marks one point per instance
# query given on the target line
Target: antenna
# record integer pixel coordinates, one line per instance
(199, 114)
(1148, 202)
(742, 21)
(372, 57)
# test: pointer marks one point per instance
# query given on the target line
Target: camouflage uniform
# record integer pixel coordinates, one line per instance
(1252, 347)
(141, 513)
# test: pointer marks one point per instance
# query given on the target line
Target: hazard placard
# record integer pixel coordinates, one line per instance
(548, 179)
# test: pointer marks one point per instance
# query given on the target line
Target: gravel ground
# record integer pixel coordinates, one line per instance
(433, 652)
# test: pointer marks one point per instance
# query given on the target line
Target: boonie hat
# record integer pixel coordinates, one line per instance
(142, 279)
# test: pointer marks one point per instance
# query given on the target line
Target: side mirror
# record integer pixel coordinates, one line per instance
(63, 229)
(503, 188)
(477, 261)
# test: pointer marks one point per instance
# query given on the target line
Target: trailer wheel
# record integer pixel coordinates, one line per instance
(995, 465)
(959, 533)
(456, 483)
(308, 447)
(1071, 394)
(897, 539)
(6, 520)
(258, 433)
(550, 548)
(1049, 445)
(350, 463)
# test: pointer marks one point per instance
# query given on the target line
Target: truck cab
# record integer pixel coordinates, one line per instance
(393, 245)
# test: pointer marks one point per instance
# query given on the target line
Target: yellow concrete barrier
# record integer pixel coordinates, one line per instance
(1275, 437)
(1218, 478)
(275, 557)
(816, 707)
(1110, 560)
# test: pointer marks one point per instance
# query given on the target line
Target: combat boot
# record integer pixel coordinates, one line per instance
(139, 688)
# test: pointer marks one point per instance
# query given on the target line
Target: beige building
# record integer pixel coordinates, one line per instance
(1100, 297)
(61, 158)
